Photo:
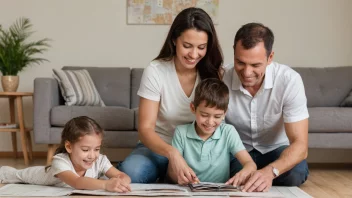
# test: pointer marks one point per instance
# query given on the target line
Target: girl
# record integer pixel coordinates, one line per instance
(190, 53)
(77, 162)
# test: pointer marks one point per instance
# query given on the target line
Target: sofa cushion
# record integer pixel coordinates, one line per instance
(110, 118)
(136, 76)
(112, 83)
(120, 139)
(112, 139)
(347, 102)
(77, 88)
(330, 119)
(326, 87)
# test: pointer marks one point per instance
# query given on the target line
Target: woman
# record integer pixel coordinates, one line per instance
(191, 52)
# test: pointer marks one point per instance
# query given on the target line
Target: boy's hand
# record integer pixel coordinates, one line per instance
(239, 178)
(117, 185)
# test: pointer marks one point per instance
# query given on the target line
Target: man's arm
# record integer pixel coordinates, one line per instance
(297, 133)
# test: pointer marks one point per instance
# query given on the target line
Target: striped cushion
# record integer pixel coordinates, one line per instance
(77, 88)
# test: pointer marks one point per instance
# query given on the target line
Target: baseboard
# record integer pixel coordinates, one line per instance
(330, 165)
(7, 154)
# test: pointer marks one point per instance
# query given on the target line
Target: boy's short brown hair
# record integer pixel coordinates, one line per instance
(214, 92)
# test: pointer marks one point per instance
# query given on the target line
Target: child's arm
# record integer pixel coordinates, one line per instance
(248, 168)
(114, 173)
(87, 183)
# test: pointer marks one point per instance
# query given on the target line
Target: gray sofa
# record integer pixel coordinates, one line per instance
(118, 89)
(330, 126)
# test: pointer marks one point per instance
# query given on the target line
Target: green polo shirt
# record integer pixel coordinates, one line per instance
(209, 159)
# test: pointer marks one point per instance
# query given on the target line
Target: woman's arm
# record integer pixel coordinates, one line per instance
(148, 112)
(87, 183)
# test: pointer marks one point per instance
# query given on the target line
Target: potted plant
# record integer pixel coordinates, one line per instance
(16, 52)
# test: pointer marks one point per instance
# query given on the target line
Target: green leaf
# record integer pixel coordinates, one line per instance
(15, 52)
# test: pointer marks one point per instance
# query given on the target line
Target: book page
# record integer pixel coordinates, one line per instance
(143, 190)
(208, 186)
(158, 187)
(27, 190)
(290, 192)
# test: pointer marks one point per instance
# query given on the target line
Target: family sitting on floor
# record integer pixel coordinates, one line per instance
(244, 124)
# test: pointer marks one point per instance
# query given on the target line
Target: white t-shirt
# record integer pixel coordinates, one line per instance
(260, 120)
(160, 83)
(61, 162)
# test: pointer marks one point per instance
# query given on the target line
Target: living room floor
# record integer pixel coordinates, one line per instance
(322, 182)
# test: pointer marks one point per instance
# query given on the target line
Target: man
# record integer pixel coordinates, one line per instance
(268, 107)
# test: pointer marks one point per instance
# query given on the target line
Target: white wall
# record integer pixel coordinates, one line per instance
(94, 33)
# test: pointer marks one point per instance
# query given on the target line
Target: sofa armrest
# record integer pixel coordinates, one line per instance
(46, 96)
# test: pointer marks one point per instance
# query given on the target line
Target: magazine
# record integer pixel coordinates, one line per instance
(208, 186)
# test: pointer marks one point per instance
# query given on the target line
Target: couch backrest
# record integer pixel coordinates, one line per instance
(112, 83)
(326, 87)
(136, 75)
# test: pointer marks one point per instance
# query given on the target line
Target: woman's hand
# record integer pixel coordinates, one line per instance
(117, 185)
(184, 173)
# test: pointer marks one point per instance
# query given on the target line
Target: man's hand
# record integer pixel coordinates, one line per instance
(185, 174)
(260, 181)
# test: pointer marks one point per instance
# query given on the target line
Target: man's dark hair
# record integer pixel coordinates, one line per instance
(213, 92)
(253, 33)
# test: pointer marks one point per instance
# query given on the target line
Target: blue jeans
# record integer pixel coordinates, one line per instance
(294, 177)
(144, 166)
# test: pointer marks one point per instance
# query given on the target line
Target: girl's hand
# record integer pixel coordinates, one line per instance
(185, 174)
(240, 178)
(124, 177)
(117, 185)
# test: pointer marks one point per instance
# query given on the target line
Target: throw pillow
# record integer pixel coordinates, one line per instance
(77, 88)
(347, 102)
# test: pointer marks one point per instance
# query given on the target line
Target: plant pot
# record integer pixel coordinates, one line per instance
(10, 83)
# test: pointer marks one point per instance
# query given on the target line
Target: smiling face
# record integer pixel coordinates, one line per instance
(250, 64)
(208, 119)
(85, 151)
(191, 47)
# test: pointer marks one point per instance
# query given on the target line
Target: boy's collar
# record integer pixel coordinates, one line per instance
(192, 133)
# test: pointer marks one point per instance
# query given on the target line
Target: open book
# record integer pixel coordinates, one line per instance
(144, 190)
(208, 186)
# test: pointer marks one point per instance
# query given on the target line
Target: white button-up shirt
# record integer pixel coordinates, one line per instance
(260, 120)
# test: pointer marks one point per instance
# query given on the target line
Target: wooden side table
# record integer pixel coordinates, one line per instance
(24, 132)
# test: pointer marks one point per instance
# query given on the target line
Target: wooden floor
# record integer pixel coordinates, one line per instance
(322, 182)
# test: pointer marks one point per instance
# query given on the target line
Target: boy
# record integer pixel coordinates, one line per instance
(207, 143)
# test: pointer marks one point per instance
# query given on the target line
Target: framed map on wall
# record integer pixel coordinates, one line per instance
(165, 11)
